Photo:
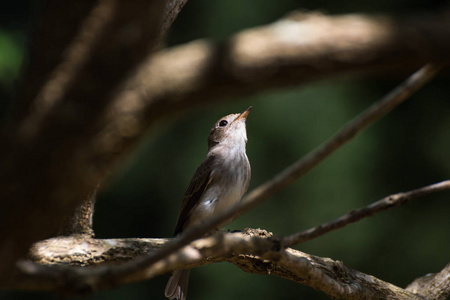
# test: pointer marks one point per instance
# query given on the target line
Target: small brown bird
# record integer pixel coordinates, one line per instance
(219, 182)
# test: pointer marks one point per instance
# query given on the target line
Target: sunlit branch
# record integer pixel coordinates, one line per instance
(254, 251)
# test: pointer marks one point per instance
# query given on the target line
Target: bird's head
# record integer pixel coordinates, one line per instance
(229, 131)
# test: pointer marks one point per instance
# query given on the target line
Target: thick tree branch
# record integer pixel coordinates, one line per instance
(46, 170)
(254, 252)
(293, 51)
(73, 57)
(266, 256)
(358, 214)
(296, 50)
(81, 221)
(65, 34)
(433, 286)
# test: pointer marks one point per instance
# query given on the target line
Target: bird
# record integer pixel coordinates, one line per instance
(218, 183)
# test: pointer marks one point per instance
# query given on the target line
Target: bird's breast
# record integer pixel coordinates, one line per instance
(230, 182)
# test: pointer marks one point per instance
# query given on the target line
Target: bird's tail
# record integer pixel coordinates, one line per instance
(177, 285)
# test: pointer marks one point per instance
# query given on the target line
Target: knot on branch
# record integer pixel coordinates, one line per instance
(257, 232)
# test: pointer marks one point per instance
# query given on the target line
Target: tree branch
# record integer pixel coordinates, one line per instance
(255, 251)
(296, 50)
(46, 170)
(433, 286)
(358, 214)
(171, 11)
(254, 256)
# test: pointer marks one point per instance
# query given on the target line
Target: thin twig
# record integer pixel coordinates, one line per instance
(358, 214)
(258, 195)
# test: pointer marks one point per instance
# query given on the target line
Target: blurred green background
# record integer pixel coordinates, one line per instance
(405, 150)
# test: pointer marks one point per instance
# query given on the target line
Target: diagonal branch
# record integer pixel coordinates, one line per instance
(358, 214)
(171, 11)
(261, 193)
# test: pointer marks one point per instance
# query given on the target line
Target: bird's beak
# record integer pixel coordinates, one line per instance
(243, 114)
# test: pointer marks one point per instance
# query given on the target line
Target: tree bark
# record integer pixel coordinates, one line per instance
(46, 168)
(254, 251)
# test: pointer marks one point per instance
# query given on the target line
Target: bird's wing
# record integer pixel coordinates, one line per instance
(199, 183)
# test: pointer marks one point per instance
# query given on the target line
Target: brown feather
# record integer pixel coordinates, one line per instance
(198, 185)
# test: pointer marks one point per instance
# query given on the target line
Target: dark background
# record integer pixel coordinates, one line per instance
(405, 150)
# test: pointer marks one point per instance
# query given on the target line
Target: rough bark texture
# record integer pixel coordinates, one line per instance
(433, 286)
(81, 221)
(254, 251)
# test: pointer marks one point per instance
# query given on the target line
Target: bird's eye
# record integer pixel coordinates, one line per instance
(223, 123)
